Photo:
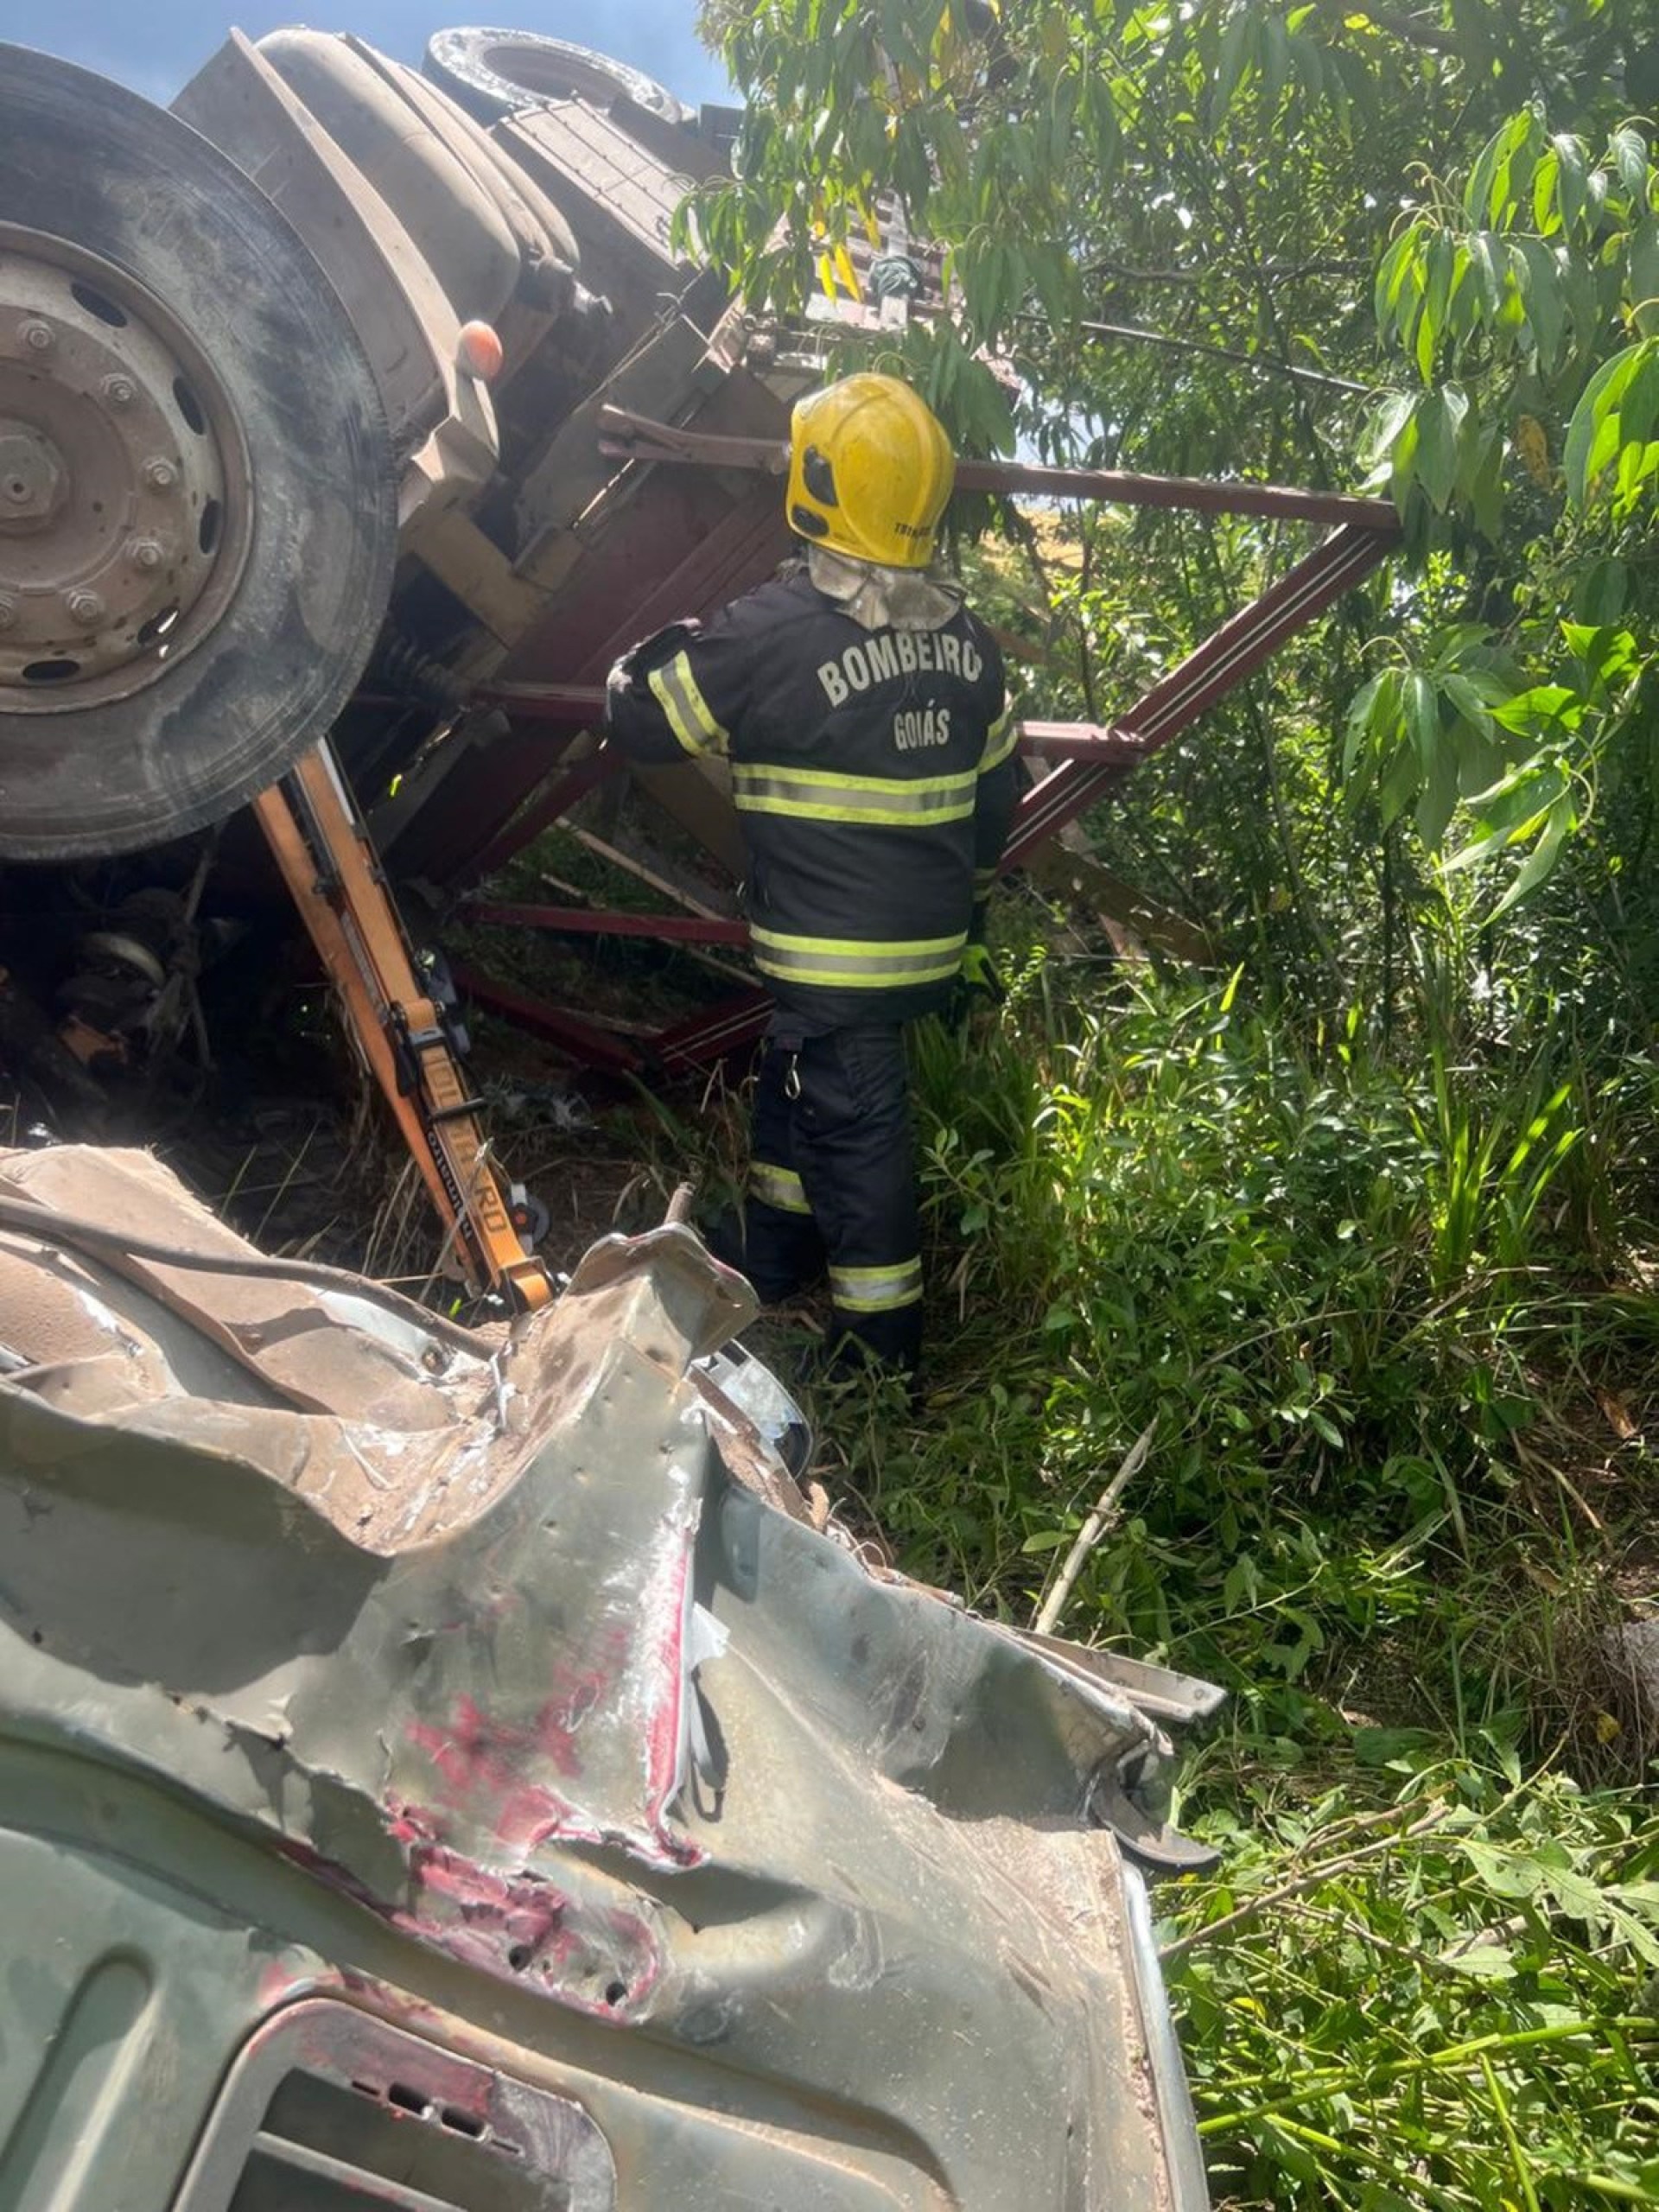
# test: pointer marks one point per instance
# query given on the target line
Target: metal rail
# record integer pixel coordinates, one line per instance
(623, 437)
(1176, 701)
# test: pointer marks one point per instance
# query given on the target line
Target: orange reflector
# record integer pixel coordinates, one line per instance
(478, 351)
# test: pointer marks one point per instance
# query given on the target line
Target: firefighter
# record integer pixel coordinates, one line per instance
(863, 709)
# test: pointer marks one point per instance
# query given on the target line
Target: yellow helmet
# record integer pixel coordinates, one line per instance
(870, 468)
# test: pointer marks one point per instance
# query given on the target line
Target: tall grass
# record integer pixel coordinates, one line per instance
(1384, 1317)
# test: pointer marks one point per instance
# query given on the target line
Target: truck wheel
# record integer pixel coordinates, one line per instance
(494, 73)
(197, 516)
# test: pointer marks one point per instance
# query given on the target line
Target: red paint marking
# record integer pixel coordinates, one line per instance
(559, 1719)
(408, 1824)
(487, 1772)
(498, 1924)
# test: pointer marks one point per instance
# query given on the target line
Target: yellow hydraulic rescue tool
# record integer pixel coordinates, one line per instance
(331, 871)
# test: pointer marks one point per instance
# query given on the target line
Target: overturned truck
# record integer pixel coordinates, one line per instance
(336, 408)
(457, 1767)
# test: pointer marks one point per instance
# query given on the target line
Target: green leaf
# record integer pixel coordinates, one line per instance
(1570, 180)
(1577, 1896)
(1629, 152)
(1399, 280)
(1544, 299)
(1483, 485)
(1359, 717)
(1605, 650)
(1644, 277)
(1601, 594)
(1438, 800)
(1402, 776)
(1099, 107)
(1358, 81)
(1373, 718)
(1500, 178)
(1586, 452)
(1468, 702)
(1638, 411)
(1542, 858)
(1238, 43)
(1388, 418)
(1487, 1958)
(1476, 853)
(1318, 82)
(1431, 323)
(1546, 204)
(1275, 67)
(1422, 714)
(1491, 276)
(1406, 443)
(1441, 419)
(1536, 707)
(1478, 206)
(1506, 1874)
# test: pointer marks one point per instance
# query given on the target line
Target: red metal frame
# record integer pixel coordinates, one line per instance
(1212, 670)
(1092, 758)
(597, 1048)
(623, 437)
(592, 921)
(559, 796)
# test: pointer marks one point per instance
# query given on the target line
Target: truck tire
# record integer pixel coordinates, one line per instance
(197, 513)
(496, 72)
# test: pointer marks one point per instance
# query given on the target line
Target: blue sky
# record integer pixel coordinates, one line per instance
(154, 44)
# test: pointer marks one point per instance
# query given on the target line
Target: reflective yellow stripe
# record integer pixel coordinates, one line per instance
(675, 689)
(876, 1290)
(856, 962)
(818, 795)
(984, 881)
(1000, 740)
(779, 1186)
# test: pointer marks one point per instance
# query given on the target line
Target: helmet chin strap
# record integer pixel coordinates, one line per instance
(879, 598)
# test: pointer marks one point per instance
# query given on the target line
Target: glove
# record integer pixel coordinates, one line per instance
(978, 973)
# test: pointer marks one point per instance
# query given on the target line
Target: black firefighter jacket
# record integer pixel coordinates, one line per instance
(874, 773)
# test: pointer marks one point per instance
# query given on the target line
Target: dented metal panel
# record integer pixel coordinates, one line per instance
(504, 1684)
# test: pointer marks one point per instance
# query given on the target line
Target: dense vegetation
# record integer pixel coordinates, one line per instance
(1342, 1245)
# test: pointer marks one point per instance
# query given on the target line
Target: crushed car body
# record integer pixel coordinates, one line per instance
(451, 1768)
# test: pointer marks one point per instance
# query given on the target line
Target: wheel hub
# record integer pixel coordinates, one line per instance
(123, 506)
(31, 479)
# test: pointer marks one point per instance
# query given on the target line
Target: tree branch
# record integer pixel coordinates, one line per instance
(1134, 334)
(1325, 1870)
(1277, 272)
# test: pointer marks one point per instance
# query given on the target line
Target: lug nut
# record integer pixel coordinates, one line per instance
(86, 607)
(8, 615)
(145, 553)
(160, 475)
(119, 391)
(39, 337)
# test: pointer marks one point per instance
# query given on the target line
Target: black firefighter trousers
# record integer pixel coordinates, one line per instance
(832, 1182)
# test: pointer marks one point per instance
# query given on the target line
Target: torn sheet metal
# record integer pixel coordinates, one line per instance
(521, 1648)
